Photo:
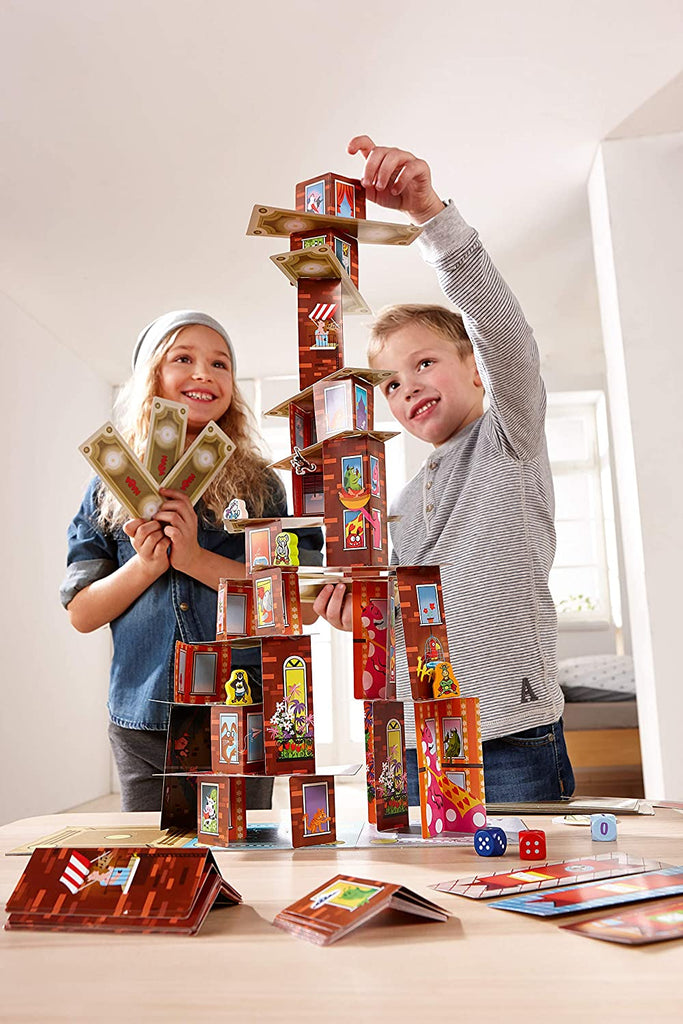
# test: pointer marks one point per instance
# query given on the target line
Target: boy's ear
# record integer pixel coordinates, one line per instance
(476, 379)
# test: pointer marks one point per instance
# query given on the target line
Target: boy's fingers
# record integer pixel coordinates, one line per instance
(320, 603)
(409, 172)
(372, 166)
(392, 164)
(334, 607)
(360, 144)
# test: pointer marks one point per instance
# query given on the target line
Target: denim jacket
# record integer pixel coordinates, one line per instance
(174, 607)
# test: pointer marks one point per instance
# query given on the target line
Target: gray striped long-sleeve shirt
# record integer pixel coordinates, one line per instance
(482, 506)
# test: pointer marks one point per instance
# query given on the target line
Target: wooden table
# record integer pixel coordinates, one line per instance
(482, 965)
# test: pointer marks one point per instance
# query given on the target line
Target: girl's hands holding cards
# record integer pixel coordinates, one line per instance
(150, 544)
(178, 520)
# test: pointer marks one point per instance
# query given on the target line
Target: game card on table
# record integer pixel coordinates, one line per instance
(118, 890)
(344, 903)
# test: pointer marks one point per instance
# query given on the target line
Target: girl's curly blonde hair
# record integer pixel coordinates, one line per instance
(245, 474)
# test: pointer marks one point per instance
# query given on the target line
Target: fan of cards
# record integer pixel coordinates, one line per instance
(136, 485)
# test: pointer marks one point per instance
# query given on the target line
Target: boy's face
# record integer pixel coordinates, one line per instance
(433, 393)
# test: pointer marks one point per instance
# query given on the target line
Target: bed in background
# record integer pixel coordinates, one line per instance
(601, 725)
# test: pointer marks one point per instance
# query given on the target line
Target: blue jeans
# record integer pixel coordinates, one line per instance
(525, 767)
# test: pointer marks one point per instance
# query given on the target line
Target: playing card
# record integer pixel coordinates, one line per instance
(270, 220)
(205, 457)
(320, 261)
(166, 439)
(118, 467)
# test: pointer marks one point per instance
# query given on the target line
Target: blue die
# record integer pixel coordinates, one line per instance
(490, 842)
(603, 828)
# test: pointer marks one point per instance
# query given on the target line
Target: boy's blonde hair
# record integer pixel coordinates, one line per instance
(444, 322)
(244, 475)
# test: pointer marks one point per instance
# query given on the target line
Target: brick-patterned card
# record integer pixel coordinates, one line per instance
(121, 890)
(424, 625)
(344, 903)
(235, 609)
(374, 640)
(386, 758)
(311, 799)
(321, 330)
(355, 501)
(200, 672)
(288, 705)
(221, 810)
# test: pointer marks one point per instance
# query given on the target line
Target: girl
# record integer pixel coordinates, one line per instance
(155, 581)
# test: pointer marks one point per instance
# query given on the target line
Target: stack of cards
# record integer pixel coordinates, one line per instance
(136, 485)
(344, 903)
(129, 889)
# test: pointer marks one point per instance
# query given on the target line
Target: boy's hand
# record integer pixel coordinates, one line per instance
(179, 522)
(150, 545)
(335, 605)
(397, 179)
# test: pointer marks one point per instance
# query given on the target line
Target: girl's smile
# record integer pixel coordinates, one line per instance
(197, 371)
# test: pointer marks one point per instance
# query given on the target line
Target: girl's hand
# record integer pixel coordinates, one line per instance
(335, 605)
(397, 179)
(179, 522)
(150, 545)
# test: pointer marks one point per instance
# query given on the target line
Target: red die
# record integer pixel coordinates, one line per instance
(532, 844)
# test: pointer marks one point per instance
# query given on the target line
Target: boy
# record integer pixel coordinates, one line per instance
(482, 505)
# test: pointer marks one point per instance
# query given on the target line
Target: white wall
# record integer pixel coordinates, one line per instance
(637, 214)
(53, 745)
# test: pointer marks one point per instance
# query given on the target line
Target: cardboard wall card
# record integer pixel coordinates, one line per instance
(120, 890)
(344, 903)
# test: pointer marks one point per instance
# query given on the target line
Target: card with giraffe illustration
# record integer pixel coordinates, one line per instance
(311, 799)
(342, 904)
(450, 765)
(374, 640)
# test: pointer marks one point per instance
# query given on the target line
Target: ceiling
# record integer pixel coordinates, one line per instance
(138, 134)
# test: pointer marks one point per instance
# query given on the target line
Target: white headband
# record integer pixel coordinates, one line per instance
(159, 330)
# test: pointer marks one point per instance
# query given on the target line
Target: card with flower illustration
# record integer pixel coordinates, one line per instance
(387, 779)
(288, 705)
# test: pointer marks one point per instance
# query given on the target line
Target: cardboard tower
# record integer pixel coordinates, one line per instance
(243, 704)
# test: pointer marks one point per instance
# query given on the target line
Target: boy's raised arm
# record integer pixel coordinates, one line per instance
(504, 344)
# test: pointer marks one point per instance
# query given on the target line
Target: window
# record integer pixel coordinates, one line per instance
(584, 578)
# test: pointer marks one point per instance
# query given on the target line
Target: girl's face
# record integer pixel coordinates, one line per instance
(197, 371)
